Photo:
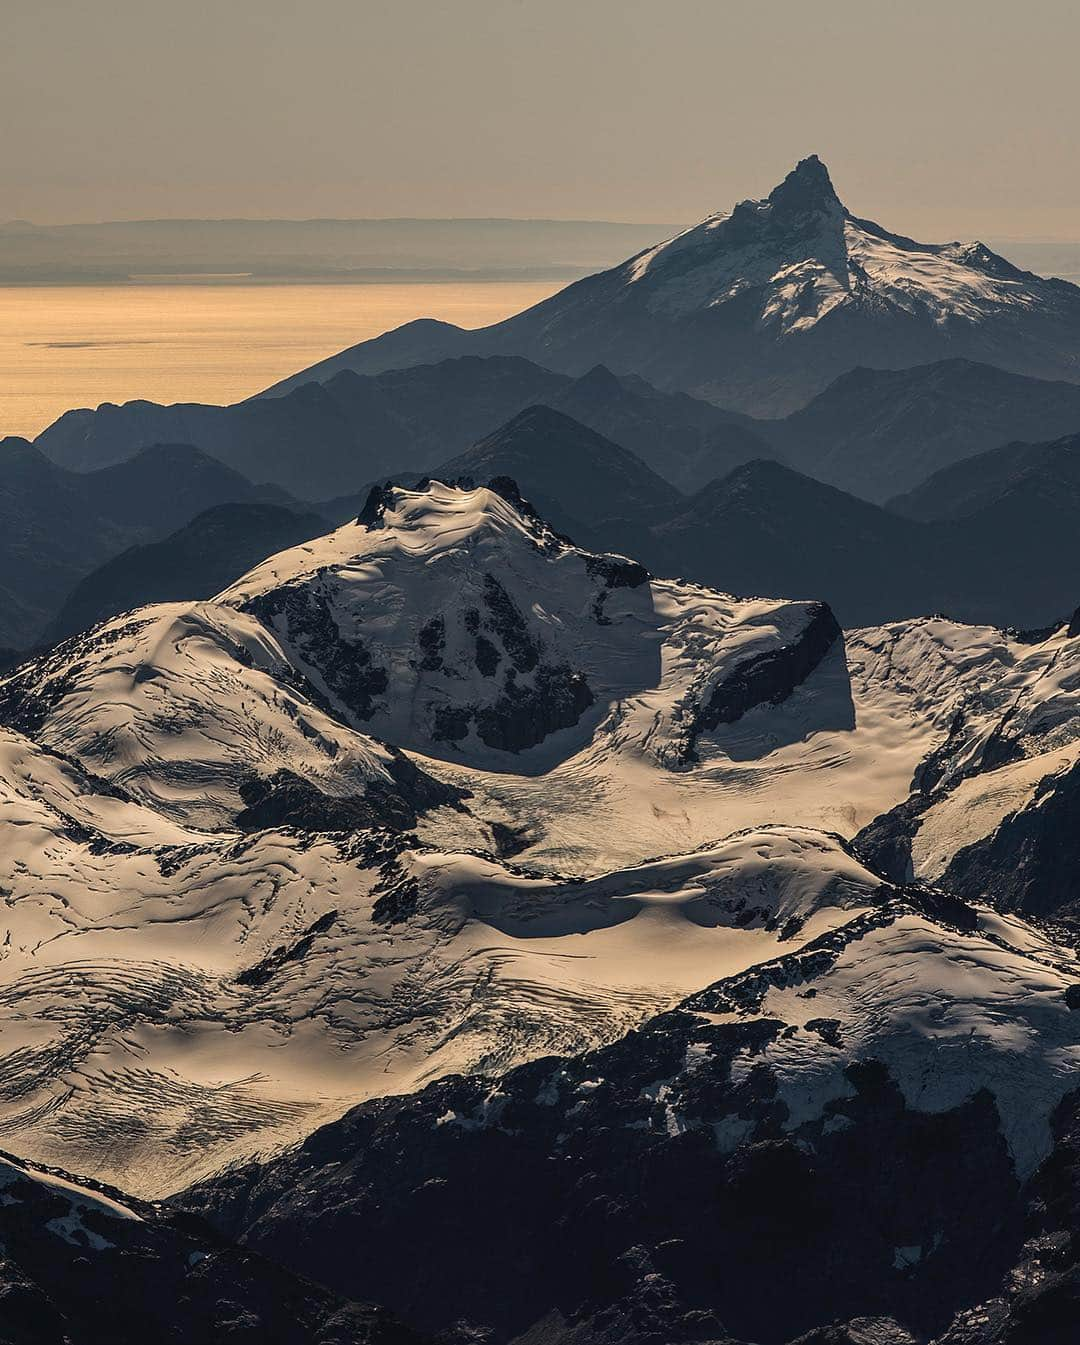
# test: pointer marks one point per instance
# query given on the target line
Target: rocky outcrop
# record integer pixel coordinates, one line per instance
(345, 665)
(763, 679)
(770, 679)
(1031, 861)
(287, 800)
(537, 697)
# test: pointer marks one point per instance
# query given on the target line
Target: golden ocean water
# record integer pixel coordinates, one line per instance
(72, 346)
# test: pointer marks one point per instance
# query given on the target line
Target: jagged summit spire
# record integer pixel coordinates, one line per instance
(807, 187)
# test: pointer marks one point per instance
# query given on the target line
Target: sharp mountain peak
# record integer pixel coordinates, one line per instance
(808, 186)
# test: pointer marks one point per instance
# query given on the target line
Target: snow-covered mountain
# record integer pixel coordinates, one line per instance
(643, 911)
(388, 808)
(761, 307)
(207, 849)
(1001, 784)
(467, 630)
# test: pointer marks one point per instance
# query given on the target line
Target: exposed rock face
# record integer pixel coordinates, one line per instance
(287, 800)
(771, 678)
(552, 697)
(766, 678)
(524, 715)
(886, 842)
(345, 665)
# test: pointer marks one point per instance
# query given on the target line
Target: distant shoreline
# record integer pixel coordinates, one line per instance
(306, 252)
(362, 251)
(71, 346)
(374, 276)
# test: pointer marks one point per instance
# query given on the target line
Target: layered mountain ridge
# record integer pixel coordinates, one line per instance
(455, 913)
(58, 524)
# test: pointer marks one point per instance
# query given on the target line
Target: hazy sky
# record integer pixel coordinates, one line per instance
(946, 119)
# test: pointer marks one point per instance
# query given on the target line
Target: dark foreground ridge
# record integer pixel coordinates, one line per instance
(74, 1271)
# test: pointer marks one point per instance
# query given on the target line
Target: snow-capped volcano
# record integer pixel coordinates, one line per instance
(805, 254)
(760, 307)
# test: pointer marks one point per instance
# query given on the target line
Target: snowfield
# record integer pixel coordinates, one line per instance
(390, 808)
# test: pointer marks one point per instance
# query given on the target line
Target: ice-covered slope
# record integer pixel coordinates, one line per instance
(184, 705)
(761, 307)
(173, 1000)
(848, 744)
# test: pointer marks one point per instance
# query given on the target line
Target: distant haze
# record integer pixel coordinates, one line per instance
(941, 120)
(288, 251)
(284, 250)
